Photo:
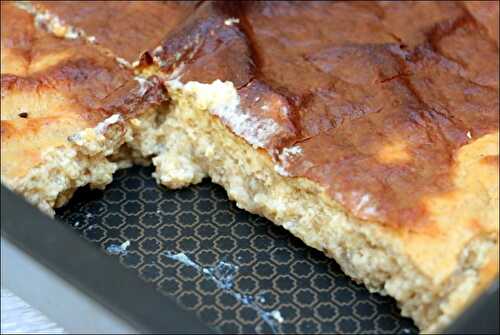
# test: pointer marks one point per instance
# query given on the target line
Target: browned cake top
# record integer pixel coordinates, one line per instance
(373, 100)
(34, 60)
(52, 88)
(127, 28)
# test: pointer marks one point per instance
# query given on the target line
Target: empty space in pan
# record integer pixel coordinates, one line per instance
(237, 271)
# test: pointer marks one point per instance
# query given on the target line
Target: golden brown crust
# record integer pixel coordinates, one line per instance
(432, 272)
(347, 95)
(425, 86)
(486, 13)
(126, 28)
(490, 160)
(52, 88)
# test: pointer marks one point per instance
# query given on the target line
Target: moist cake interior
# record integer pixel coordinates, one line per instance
(374, 139)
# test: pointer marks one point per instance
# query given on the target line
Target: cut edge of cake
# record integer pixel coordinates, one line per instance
(199, 145)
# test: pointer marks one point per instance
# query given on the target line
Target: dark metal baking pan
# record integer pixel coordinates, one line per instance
(157, 260)
(74, 283)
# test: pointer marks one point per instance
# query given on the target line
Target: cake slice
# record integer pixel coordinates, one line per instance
(368, 133)
(64, 107)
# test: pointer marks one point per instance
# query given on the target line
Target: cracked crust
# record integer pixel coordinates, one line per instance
(377, 104)
(425, 90)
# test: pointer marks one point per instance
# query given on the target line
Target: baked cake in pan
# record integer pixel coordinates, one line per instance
(368, 130)
(63, 111)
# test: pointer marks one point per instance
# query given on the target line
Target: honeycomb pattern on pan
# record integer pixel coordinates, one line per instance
(310, 291)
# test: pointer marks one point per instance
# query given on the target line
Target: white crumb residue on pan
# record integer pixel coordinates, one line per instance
(118, 249)
(223, 274)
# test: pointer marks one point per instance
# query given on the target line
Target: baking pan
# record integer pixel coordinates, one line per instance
(74, 283)
(149, 259)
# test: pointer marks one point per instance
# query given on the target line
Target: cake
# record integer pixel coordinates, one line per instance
(369, 131)
(65, 107)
